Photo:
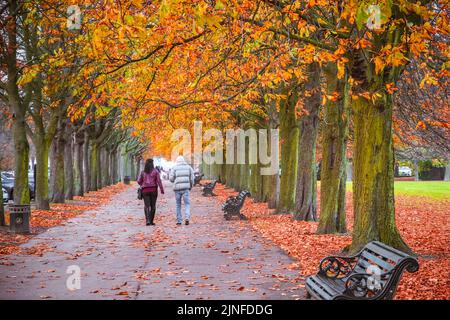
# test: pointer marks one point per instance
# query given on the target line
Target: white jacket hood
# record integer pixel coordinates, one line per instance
(180, 160)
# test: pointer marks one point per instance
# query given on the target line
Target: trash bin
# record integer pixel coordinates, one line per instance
(126, 179)
(19, 218)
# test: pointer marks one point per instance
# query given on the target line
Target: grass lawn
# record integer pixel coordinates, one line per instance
(432, 189)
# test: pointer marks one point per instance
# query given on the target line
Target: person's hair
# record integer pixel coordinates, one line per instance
(149, 166)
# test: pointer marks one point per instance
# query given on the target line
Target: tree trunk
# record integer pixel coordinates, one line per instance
(94, 154)
(21, 146)
(223, 178)
(137, 167)
(2, 208)
(306, 190)
(78, 173)
(86, 166)
(133, 168)
(333, 169)
(115, 166)
(113, 169)
(68, 167)
(42, 190)
(229, 170)
(58, 178)
(243, 176)
(105, 167)
(447, 171)
(235, 177)
(21, 155)
(272, 182)
(289, 143)
(373, 177)
(100, 155)
(110, 156)
(416, 170)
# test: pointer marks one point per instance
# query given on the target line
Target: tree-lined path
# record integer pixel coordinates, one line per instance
(121, 258)
(315, 108)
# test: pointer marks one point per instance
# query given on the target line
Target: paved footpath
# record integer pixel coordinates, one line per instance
(121, 258)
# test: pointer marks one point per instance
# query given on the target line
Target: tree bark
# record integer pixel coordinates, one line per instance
(86, 163)
(115, 165)
(373, 177)
(78, 173)
(243, 176)
(105, 167)
(2, 209)
(58, 178)
(334, 143)
(18, 109)
(110, 155)
(68, 165)
(416, 170)
(289, 153)
(42, 190)
(133, 168)
(138, 168)
(447, 171)
(99, 166)
(306, 189)
(94, 154)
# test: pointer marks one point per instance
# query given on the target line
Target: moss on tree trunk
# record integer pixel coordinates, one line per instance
(78, 174)
(373, 175)
(271, 182)
(99, 167)
(306, 189)
(333, 168)
(289, 143)
(58, 174)
(21, 155)
(68, 167)
(18, 110)
(105, 166)
(42, 190)
(93, 153)
(86, 163)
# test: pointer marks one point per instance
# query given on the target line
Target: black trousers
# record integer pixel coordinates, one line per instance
(150, 204)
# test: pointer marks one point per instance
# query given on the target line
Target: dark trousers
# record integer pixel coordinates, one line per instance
(150, 205)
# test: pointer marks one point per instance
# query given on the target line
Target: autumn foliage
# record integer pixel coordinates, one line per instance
(341, 79)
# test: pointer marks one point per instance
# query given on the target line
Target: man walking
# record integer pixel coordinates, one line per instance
(182, 176)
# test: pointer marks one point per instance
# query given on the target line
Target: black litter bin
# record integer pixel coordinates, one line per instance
(126, 179)
(19, 218)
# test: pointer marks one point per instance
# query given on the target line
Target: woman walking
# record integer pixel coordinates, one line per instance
(149, 180)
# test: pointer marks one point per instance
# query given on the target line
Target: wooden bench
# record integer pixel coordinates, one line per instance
(197, 179)
(233, 205)
(372, 274)
(209, 188)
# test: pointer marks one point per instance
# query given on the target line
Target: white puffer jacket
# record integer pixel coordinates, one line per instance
(182, 175)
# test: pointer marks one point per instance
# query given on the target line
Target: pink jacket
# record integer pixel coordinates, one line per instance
(150, 181)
